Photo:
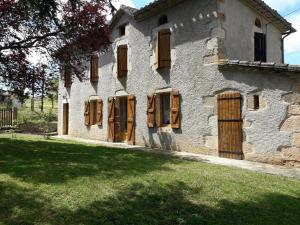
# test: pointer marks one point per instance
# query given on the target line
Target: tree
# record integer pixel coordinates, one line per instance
(62, 31)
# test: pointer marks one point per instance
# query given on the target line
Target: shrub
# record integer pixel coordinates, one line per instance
(34, 122)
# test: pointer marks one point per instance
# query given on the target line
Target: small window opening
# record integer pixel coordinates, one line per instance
(163, 20)
(122, 30)
(258, 23)
(255, 102)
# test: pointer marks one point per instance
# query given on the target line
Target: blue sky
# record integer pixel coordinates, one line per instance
(292, 43)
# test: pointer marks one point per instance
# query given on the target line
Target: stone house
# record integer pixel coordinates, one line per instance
(187, 75)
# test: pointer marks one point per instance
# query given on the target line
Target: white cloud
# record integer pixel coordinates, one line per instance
(292, 43)
(118, 3)
(281, 5)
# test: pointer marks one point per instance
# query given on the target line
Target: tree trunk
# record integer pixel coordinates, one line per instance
(43, 95)
(52, 103)
(32, 98)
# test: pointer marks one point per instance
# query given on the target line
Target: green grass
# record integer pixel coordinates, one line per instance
(56, 182)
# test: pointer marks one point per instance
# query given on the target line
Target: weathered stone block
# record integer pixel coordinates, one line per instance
(210, 101)
(291, 154)
(296, 86)
(292, 98)
(294, 110)
(296, 140)
(291, 124)
(247, 124)
(211, 141)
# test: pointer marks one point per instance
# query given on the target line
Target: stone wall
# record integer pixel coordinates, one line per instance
(291, 154)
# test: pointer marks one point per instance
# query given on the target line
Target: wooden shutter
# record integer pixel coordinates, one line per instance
(230, 125)
(163, 49)
(111, 119)
(122, 60)
(151, 111)
(94, 68)
(260, 48)
(87, 113)
(99, 110)
(68, 77)
(131, 120)
(175, 110)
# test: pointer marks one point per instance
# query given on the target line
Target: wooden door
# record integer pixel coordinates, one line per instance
(65, 118)
(111, 119)
(131, 120)
(230, 125)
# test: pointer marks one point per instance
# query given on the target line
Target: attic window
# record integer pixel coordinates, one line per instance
(258, 23)
(162, 20)
(122, 30)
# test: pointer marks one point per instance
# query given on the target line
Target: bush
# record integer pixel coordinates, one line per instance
(34, 122)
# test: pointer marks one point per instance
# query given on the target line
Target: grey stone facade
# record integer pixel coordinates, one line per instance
(202, 33)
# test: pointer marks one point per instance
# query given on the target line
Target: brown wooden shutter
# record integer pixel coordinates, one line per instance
(230, 125)
(111, 119)
(131, 120)
(99, 112)
(94, 68)
(68, 77)
(87, 113)
(163, 49)
(151, 111)
(175, 110)
(122, 60)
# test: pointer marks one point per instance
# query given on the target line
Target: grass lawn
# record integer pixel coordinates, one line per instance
(64, 183)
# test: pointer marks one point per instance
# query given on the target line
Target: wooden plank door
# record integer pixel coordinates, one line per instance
(230, 125)
(65, 118)
(111, 119)
(131, 120)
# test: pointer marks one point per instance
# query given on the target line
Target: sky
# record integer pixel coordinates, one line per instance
(284, 7)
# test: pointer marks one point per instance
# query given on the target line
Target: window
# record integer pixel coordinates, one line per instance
(162, 20)
(68, 76)
(165, 108)
(254, 101)
(260, 51)
(94, 68)
(163, 49)
(122, 60)
(93, 112)
(258, 23)
(122, 30)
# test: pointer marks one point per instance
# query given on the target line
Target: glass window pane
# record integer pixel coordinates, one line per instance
(166, 108)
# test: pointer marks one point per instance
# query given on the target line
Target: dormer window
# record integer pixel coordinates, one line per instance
(162, 20)
(258, 23)
(122, 30)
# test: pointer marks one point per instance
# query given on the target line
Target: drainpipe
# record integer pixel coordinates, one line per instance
(285, 35)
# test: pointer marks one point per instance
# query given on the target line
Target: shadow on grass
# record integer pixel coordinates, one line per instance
(151, 204)
(57, 162)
